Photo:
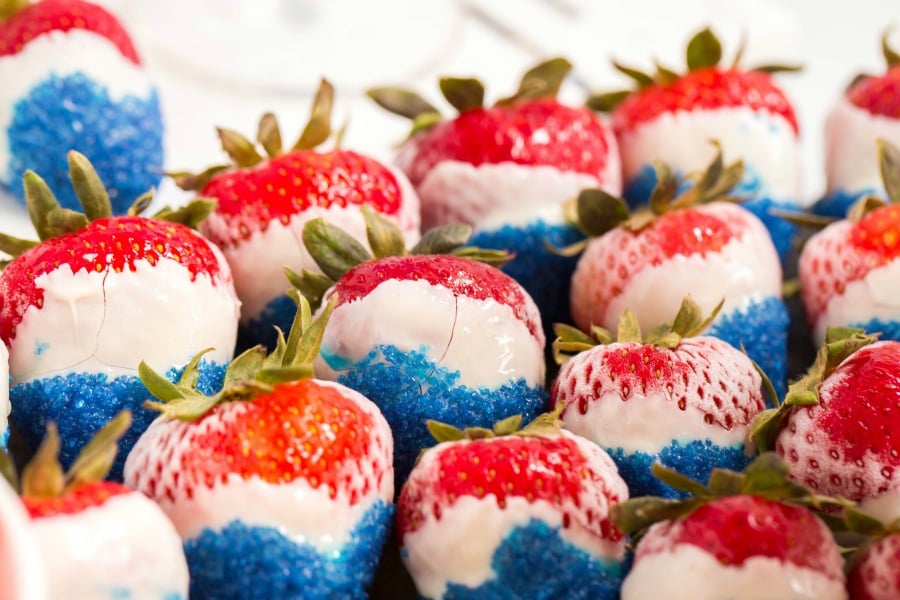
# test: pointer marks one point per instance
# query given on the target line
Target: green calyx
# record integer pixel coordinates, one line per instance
(52, 220)
(250, 374)
(689, 322)
(245, 152)
(891, 56)
(44, 477)
(467, 93)
(546, 424)
(766, 477)
(335, 251)
(704, 50)
(596, 211)
(840, 343)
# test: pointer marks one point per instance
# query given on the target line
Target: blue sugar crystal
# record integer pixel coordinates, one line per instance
(81, 403)
(638, 190)
(837, 203)
(260, 329)
(544, 275)
(123, 139)
(695, 459)
(252, 562)
(890, 330)
(762, 328)
(535, 562)
(409, 389)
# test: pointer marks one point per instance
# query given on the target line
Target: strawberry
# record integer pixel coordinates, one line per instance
(98, 538)
(671, 116)
(746, 536)
(693, 243)
(263, 203)
(79, 309)
(506, 169)
(427, 335)
(846, 270)
(700, 394)
(838, 426)
(282, 483)
(73, 80)
(868, 110)
(508, 513)
(874, 569)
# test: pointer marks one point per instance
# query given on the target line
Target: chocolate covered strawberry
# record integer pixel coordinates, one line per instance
(279, 485)
(744, 537)
(506, 169)
(672, 396)
(512, 513)
(72, 79)
(427, 335)
(265, 198)
(99, 539)
(693, 243)
(838, 427)
(848, 270)
(671, 116)
(867, 111)
(81, 308)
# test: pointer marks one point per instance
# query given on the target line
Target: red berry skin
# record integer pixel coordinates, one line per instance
(875, 574)
(535, 133)
(846, 445)
(878, 95)
(46, 16)
(83, 497)
(249, 199)
(704, 89)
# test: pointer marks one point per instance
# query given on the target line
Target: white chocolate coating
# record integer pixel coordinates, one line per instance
(766, 143)
(126, 544)
(109, 322)
(688, 573)
(481, 339)
(23, 573)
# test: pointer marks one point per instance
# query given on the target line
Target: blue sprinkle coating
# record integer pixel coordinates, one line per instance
(762, 328)
(837, 203)
(81, 403)
(251, 562)
(638, 190)
(544, 275)
(409, 389)
(126, 594)
(695, 459)
(279, 312)
(890, 330)
(535, 562)
(123, 139)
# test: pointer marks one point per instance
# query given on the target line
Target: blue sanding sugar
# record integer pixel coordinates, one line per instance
(410, 389)
(762, 328)
(695, 459)
(638, 190)
(838, 202)
(534, 562)
(260, 329)
(890, 330)
(544, 275)
(252, 562)
(81, 403)
(122, 138)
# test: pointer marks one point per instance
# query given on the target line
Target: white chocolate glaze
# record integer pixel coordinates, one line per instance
(851, 153)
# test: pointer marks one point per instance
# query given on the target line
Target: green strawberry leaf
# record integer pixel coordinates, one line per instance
(385, 237)
(97, 457)
(15, 246)
(333, 250)
(774, 68)
(889, 164)
(725, 482)
(605, 102)
(442, 240)
(43, 476)
(642, 79)
(402, 102)
(508, 426)
(312, 286)
(142, 203)
(637, 514)
(318, 128)
(704, 50)
(600, 211)
(677, 481)
(191, 182)
(665, 190)
(891, 57)
(629, 329)
(541, 81)
(442, 432)
(61, 221)
(241, 150)
(463, 94)
(39, 200)
(88, 187)
(190, 215)
(269, 135)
